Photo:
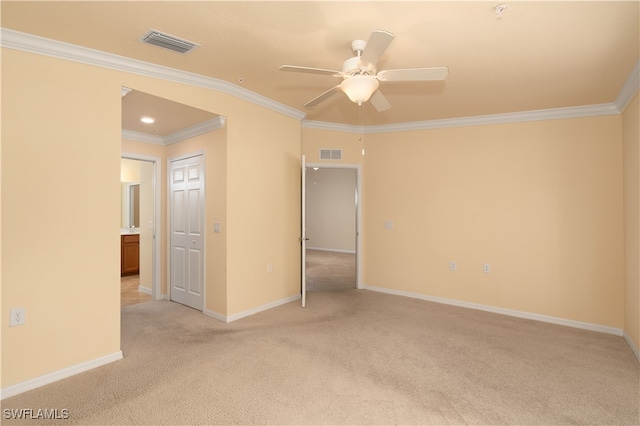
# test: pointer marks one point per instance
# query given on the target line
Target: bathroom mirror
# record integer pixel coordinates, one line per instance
(130, 204)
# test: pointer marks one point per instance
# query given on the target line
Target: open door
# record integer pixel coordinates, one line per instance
(303, 233)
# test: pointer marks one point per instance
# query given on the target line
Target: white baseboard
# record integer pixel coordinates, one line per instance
(633, 347)
(144, 290)
(252, 311)
(333, 250)
(30, 384)
(502, 311)
(215, 315)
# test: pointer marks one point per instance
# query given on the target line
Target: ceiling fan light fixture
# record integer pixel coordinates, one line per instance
(359, 88)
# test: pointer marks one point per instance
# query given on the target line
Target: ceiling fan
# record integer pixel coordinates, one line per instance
(360, 74)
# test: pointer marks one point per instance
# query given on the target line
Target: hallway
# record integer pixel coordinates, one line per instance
(330, 270)
(129, 293)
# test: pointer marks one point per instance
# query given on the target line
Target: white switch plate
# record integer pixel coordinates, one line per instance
(216, 227)
(388, 224)
(453, 266)
(486, 268)
(17, 317)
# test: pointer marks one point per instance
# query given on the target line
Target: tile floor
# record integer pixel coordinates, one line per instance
(129, 294)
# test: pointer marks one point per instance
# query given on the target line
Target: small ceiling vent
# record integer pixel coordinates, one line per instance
(167, 41)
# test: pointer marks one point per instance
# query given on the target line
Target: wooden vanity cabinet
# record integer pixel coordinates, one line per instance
(129, 254)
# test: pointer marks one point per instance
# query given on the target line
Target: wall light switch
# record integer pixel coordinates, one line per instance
(388, 224)
(486, 268)
(216, 227)
(453, 266)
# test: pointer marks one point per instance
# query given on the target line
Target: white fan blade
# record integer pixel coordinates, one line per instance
(376, 45)
(309, 70)
(315, 101)
(414, 74)
(379, 101)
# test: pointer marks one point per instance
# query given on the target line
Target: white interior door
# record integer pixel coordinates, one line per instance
(187, 229)
(303, 232)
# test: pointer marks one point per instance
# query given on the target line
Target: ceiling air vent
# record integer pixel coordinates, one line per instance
(167, 41)
(331, 154)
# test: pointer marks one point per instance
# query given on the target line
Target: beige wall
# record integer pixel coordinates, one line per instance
(60, 257)
(263, 171)
(129, 170)
(541, 202)
(78, 277)
(631, 138)
(316, 139)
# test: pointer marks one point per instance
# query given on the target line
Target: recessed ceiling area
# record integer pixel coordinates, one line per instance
(170, 117)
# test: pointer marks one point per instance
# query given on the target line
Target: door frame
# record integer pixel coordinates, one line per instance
(358, 169)
(170, 160)
(156, 287)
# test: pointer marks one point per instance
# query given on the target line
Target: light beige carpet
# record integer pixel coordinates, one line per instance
(350, 357)
(330, 270)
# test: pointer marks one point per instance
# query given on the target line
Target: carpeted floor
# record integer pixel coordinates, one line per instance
(330, 270)
(350, 357)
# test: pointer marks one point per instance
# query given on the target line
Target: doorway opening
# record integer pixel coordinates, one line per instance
(139, 239)
(332, 218)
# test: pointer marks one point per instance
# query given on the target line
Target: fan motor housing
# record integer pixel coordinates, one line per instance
(354, 66)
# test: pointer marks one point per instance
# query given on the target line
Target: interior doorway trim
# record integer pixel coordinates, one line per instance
(156, 288)
(358, 169)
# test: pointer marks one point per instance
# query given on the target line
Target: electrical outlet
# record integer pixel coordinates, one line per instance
(17, 317)
(486, 268)
(453, 266)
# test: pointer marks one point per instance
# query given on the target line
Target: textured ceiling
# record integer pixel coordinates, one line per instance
(537, 55)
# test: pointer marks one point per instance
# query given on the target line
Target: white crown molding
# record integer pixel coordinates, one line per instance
(186, 133)
(480, 120)
(323, 125)
(142, 137)
(34, 44)
(629, 89)
(43, 46)
(514, 117)
(502, 311)
(195, 130)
